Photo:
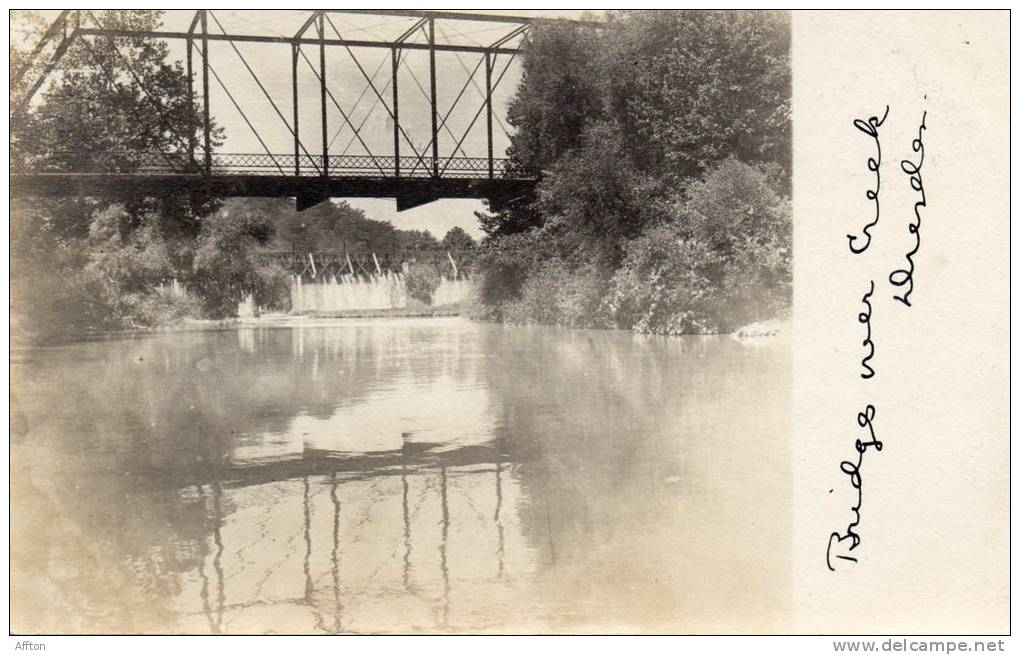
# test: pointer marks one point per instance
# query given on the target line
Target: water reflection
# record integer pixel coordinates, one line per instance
(401, 476)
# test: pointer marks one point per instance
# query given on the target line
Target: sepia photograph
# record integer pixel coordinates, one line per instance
(435, 322)
(400, 321)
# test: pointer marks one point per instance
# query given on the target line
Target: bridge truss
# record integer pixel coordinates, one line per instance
(411, 174)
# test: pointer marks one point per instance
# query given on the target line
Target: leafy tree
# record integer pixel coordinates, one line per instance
(421, 282)
(417, 240)
(559, 293)
(108, 101)
(226, 269)
(272, 288)
(638, 132)
(457, 238)
(559, 94)
(692, 88)
(26, 26)
(507, 262)
(666, 95)
(49, 296)
(329, 226)
(595, 201)
(111, 105)
(722, 261)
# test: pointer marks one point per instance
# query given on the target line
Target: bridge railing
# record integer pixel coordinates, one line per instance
(354, 165)
(287, 165)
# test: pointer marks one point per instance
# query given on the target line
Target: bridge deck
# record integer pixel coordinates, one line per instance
(410, 180)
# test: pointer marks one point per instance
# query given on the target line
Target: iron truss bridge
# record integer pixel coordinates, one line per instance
(314, 170)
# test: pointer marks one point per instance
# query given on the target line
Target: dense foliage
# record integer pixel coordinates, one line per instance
(328, 226)
(125, 259)
(457, 239)
(722, 262)
(336, 226)
(421, 282)
(662, 141)
(99, 262)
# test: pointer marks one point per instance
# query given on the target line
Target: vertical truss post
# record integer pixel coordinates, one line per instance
(205, 92)
(488, 109)
(297, 138)
(322, 93)
(192, 117)
(191, 106)
(432, 80)
(396, 114)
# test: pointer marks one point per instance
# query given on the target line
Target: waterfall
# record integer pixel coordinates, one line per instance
(349, 292)
(172, 287)
(451, 292)
(360, 292)
(246, 308)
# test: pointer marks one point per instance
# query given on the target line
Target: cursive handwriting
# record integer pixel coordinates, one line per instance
(853, 471)
(865, 318)
(905, 276)
(870, 127)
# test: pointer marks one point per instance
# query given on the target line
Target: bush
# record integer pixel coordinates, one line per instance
(723, 261)
(555, 294)
(43, 299)
(505, 262)
(225, 266)
(272, 288)
(665, 286)
(161, 308)
(457, 239)
(123, 271)
(421, 281)
(473, 307)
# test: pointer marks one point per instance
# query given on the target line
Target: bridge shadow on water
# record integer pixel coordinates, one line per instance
(400, 476)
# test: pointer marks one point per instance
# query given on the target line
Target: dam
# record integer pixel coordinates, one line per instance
(357, 293)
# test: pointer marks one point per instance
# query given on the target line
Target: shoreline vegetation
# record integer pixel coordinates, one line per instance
(661, 142)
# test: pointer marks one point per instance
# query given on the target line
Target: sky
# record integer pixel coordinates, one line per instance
(272, 64)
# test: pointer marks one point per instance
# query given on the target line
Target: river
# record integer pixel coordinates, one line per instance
(401, 476)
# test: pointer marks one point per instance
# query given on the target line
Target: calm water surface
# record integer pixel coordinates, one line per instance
(430, 475)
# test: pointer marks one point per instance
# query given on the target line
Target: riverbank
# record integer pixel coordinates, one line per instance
(770, 328)
(215, 325)
(302, 319)
(393, 312)
(762, 331)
